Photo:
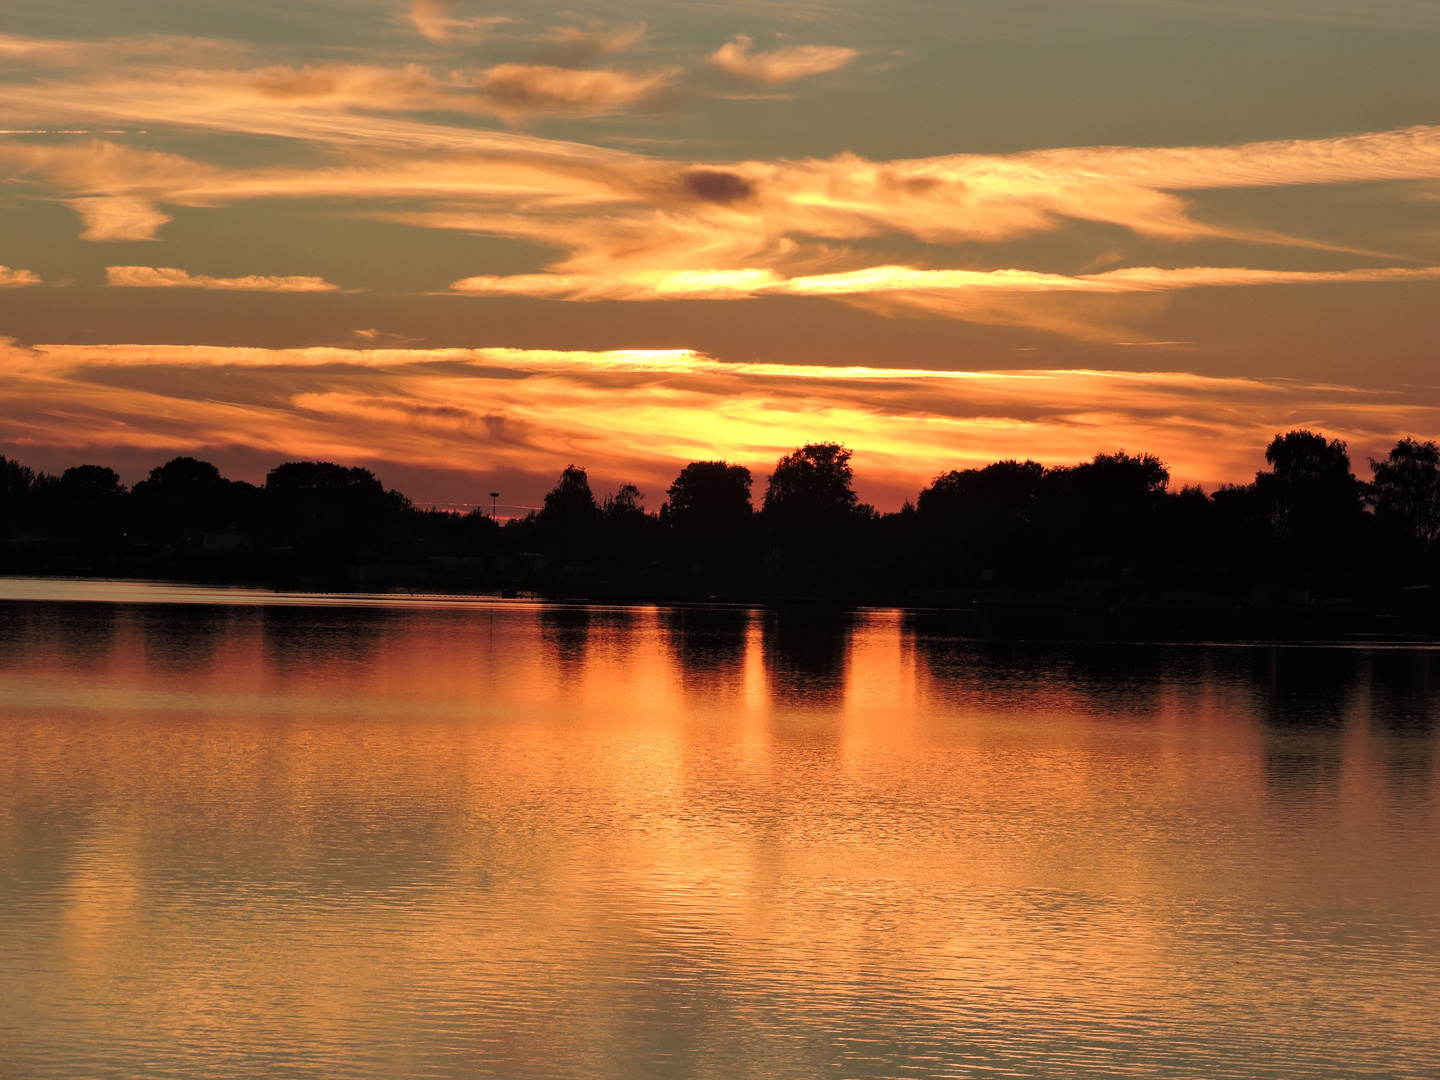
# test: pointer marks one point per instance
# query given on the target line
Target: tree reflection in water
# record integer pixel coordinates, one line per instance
(708, 646)
(806, 652)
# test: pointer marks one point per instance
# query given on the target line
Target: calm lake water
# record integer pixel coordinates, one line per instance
(253, 838)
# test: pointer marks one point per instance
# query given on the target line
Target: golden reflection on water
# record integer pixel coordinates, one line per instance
(515, 840)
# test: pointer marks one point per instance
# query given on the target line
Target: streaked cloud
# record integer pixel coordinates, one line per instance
(402, 143)
(168, 277)
(636, 227)
(572, 45)
(744, 284)
(519, 90)
(15, 47)
(778, 65)
(14, 279)
(334, 105)
(62, 53)
(639, 415)
(436, 21)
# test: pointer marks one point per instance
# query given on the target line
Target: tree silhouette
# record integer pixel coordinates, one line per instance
(812, 483)
(629, 530)
(182, 476)
(323, 476)
(87, 504)
(1310, 492)
(1109, 529)
(997, 497)
(186, 495)
(710, 499)
(1112, 480)
(814, 518)
(1406, 491)
(627, 502)
(328, 510)
(90, 482)
(571, 516)
(1100, 515)
(17, 485)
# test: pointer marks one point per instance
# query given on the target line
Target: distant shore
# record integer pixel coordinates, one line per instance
(1099, 550)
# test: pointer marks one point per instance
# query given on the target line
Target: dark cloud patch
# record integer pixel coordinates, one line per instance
(718, 186)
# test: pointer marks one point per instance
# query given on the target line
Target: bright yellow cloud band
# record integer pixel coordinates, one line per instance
(640, 415)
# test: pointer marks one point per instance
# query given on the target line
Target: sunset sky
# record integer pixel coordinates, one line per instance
(466, 244)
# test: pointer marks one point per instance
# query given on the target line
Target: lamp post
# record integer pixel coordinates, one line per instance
(494, 506)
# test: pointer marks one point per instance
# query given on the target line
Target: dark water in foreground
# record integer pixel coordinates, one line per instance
(517, 841)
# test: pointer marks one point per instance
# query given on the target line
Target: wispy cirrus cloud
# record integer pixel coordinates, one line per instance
(570, 46)
(778, 65)
(436, 21)
(520, 90)
(15, 279)
(16, 48)
(168, 277)
(327, 103)
(947, 199)
(64, 53)
(643, 414)
(998, 297)
(647, 227)
(905, 280)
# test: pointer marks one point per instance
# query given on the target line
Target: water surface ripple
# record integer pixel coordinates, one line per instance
(508, 840)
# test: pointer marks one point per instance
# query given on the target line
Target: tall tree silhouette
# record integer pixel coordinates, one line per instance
(571, 517)
(1406, 491)
(1310, 488)
(813, 516)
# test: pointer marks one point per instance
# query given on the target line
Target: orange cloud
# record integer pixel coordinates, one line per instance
(524, 89)
(779, 65)
(14, 279)
(14, 47)
(59, 53)
(167, 277)
(640, 415)
(744, 284)
(435, 21)
(646, 228)
(118, 217)
(572, 46)
(330, 104)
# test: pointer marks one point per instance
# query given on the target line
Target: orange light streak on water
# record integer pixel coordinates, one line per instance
(518, 840)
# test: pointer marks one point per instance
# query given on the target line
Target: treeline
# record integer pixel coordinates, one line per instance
(1307, 531)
